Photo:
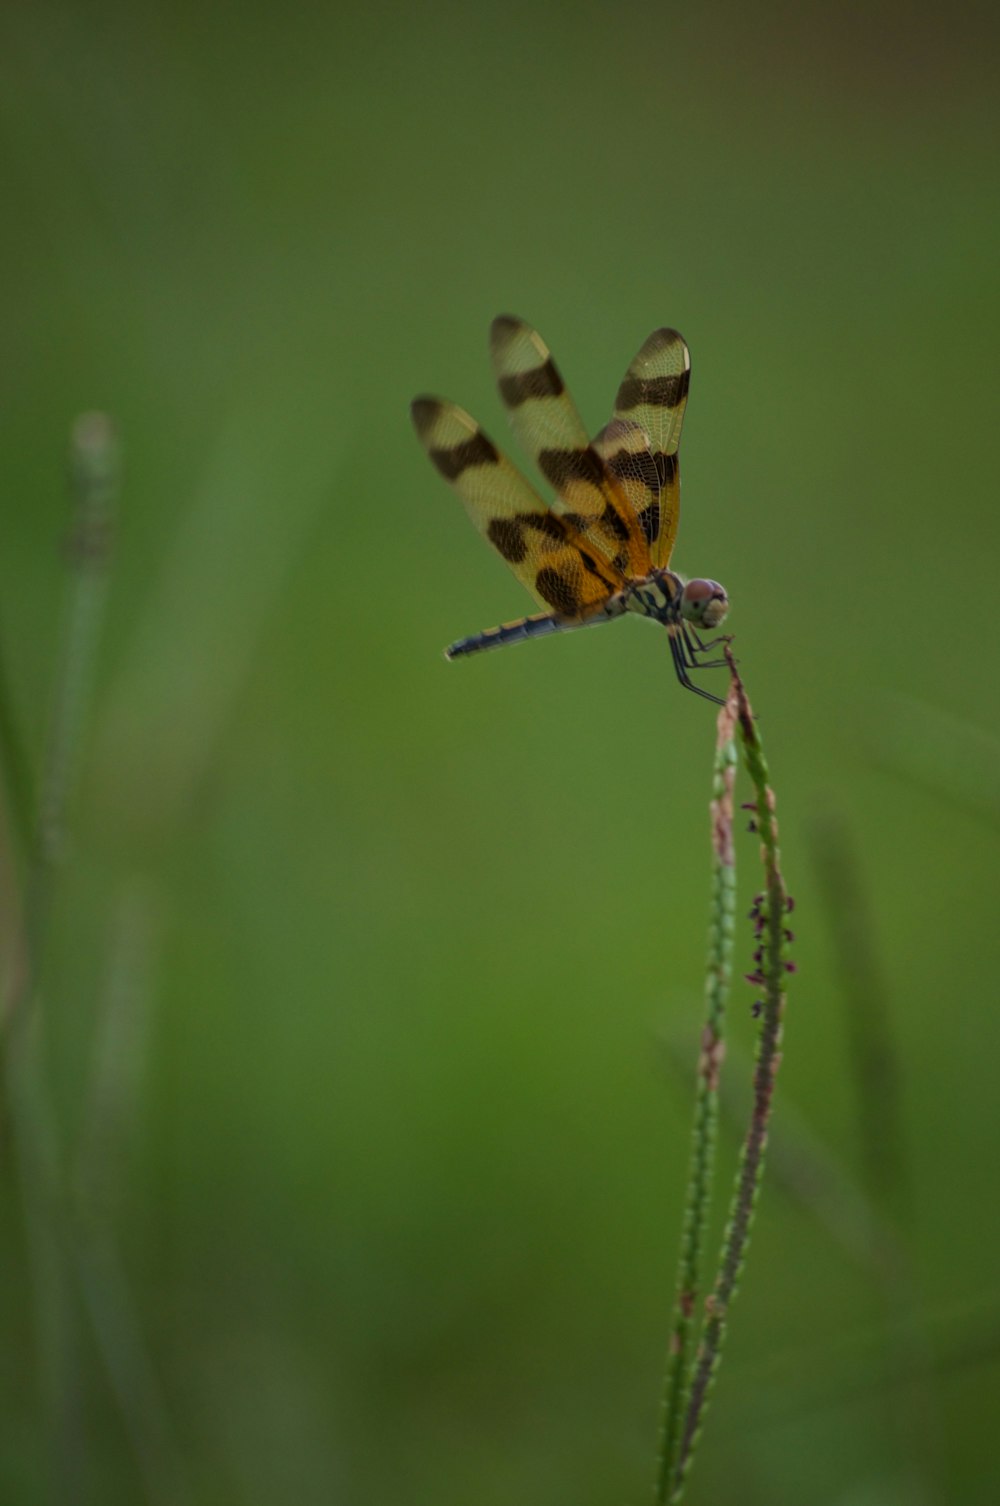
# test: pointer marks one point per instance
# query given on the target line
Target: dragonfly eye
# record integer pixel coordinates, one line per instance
(704, 602)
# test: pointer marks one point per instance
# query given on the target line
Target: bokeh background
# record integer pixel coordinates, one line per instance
(371, 985)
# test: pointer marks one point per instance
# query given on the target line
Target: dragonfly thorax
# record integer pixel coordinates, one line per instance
(667, 598)
(658, 596)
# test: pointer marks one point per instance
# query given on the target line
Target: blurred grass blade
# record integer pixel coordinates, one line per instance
(15, 768)
(94, 476)
(119, 1051)
(948, 756)
(225, 571)
(871, 1036)
(912, 1410)
(801, 1166)
(70, 1256)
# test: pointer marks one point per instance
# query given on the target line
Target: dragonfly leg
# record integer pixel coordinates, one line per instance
(694, 649)
(681, 669)
(712, 642)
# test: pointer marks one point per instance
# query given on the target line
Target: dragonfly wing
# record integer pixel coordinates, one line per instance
(549, 429)
(640, 444)
(626, 450)
(545, 551)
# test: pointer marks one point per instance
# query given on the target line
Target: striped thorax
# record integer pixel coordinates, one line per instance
(667, 598)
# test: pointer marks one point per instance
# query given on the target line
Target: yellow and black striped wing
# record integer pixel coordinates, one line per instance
(639, 446)
(550, 430)
(543, 548)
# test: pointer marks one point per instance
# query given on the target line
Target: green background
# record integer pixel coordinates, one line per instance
(372, 987)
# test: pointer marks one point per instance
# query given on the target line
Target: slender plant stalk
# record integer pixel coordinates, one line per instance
(95, 1176)
(769, 913)
(706, 1111)
(14, 764)
(94, 482)
(72, 1251)
(31, 1115)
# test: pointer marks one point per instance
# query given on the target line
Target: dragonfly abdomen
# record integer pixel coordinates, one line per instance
(533, 627)
(508, 632)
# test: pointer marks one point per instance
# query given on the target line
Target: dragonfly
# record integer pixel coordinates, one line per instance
(603, 548)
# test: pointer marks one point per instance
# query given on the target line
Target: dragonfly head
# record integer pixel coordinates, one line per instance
(704, 603)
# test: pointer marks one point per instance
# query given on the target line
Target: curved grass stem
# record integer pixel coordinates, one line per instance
(689, 1384)
(706, 1112)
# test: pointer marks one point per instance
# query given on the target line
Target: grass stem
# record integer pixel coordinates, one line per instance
(769, 915)
(706, 1111)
